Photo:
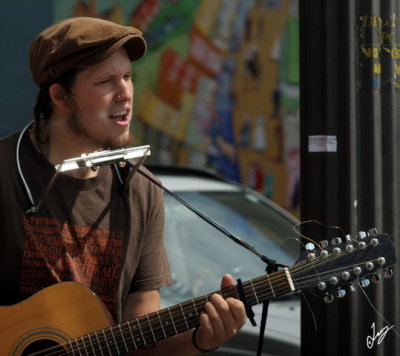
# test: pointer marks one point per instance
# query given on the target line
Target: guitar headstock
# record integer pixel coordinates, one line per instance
(327, 268)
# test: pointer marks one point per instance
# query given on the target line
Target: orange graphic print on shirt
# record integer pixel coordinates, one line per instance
(55, 252)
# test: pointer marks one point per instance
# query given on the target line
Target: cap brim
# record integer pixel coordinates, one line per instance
(135, 46)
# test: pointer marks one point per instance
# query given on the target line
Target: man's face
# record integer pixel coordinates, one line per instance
(100, 104)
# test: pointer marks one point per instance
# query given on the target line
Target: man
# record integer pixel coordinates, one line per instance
(93, 226)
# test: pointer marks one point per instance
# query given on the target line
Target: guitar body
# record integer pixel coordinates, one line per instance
(50, 317)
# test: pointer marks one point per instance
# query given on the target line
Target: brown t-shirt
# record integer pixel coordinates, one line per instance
(98, 232)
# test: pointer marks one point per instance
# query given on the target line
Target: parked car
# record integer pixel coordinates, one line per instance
(199, 254)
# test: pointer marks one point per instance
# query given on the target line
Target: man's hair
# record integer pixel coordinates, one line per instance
(43, 108)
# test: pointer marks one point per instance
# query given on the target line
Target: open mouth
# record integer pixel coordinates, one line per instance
(121, 117)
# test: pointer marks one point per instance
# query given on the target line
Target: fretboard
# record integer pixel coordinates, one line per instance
(146, 331)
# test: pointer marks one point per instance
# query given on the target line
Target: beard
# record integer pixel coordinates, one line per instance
(106, 142)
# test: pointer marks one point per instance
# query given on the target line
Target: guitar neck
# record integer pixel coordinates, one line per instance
(146, 331)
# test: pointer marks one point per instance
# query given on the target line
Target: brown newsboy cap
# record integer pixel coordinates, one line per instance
(79, 42)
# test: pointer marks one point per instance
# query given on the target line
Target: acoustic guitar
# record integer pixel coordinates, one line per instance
(68, 319)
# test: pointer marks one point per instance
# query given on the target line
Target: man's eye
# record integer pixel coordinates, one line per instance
(104, 81)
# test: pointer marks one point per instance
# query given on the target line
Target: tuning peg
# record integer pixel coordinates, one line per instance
(336, 241)
(324, 243)
(387, 273)
(357, 270)
(374, 242)
(362, 245)
(340, 293)
(321, 285)
(324, 253)
(364, 282)
(348, 239)
(336, 251)
(381, 261)
(369, 266)
(372, 232)
(345, 275)
(375, 278)
(310, 246)
(352, 288)
(334, 280)
(349, 247)
(328, 299)
(361, 235)
(311, 256)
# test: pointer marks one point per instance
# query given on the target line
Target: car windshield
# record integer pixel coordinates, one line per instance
(199, 254)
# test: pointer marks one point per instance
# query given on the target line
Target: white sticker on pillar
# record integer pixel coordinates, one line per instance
(322, 143)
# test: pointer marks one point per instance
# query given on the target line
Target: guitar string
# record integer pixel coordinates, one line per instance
(101, 339)
(322, 262)
(147, 331)
(296, 270)
(379, 314)
(312, 281)
(119, 345)
(278, 278)
(144, 332)
(253, 286)
(123, 343)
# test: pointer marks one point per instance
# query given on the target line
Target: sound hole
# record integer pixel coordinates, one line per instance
(37, 346)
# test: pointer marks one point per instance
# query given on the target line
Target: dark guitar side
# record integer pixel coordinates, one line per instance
(59, 313)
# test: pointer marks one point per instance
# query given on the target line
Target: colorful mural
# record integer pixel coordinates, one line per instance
(219, 86)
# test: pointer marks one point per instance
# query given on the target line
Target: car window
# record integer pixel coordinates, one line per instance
(199, 254)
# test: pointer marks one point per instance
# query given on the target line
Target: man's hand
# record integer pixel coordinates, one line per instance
(222, 319)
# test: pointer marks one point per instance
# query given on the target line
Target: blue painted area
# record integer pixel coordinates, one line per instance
(20, 21)
(221, 127)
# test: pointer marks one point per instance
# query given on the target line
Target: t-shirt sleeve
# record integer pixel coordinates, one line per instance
(153, 269)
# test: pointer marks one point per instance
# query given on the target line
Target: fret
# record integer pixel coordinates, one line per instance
(138, 333)
(151, 329)
(115, 341)
(172, 319)
(123, 338)
(71, 347)
(161, 324)
(192, 316)
(99, 343)
(91, 344)
(141, 332)
(254, 291)
(78, 347)
(105, 339)
(132, 336)
(167, 322)
(272, 289)
(195, 309)
(84, 345)
(184, 317)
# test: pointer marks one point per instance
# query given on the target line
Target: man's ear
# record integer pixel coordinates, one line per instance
(58, 96)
